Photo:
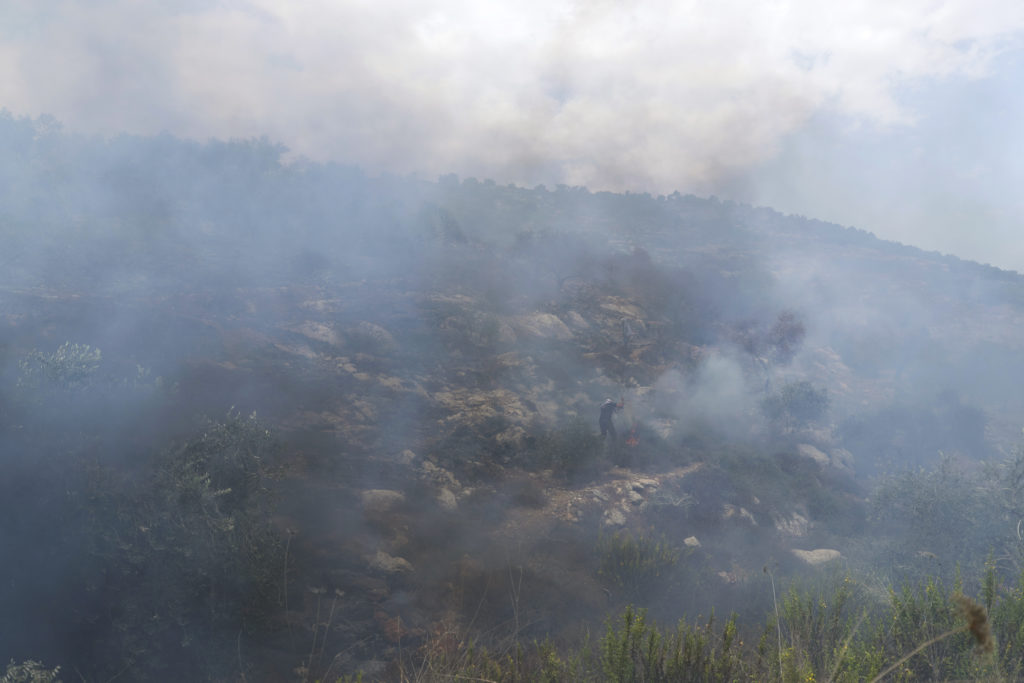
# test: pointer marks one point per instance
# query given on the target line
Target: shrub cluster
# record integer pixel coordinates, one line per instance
(836, 632)
(636, 565)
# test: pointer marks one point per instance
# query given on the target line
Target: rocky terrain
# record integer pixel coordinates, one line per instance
(425, 363)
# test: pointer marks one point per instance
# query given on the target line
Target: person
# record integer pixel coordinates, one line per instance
(608, 408)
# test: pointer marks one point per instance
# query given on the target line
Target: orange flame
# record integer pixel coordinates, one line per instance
(633, 439)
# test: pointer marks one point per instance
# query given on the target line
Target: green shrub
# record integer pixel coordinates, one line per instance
(635, 565)
(929, 615)
(186, 560)
(1007, 615)
(70, 367)
(637, 651)
(813, 637)
(947, 513)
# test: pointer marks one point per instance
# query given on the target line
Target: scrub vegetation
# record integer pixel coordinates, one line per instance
(267, 420)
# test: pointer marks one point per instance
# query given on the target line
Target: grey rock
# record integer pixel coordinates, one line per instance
(390, 564)
(817, 557)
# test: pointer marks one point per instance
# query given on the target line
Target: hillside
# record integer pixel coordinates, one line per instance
(424, 363)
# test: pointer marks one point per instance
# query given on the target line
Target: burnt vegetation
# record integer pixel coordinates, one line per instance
(286, 421)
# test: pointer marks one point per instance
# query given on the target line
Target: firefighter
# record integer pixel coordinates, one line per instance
(609, 408)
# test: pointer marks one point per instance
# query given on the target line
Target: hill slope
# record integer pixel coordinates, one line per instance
(427, 361)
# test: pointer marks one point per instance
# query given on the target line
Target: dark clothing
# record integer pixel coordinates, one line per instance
(607, 426)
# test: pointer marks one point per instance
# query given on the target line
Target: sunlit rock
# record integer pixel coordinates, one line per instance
(808, 451)
(691, 542)
(447, 500)
(621, 308)
(390, 564)
(614, 517)
(576, 321)
(438, 476)
(379, 501)
(345, 365)
(541, 325)
(318, 331)
(794, 525)
(371, 338)
(513, 436)
(817, 557)
(736, 512)
(842, 459)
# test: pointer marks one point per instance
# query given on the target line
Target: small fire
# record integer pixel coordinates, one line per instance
(633, 439)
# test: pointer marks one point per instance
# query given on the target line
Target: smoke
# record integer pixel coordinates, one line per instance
(451, 323)
(716, 395)
(650, 96)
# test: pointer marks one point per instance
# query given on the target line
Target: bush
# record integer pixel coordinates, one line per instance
(786, 336)
(635, 565)
(1007, 614)
(70, 367)
(638, 651)
(815, 633)
(946, 513)
(572, 449)
(933, 617)
(797, 405)
(182, 563)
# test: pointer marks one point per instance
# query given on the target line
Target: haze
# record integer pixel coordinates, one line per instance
(897, 119)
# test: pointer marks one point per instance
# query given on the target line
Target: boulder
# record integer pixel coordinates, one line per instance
(614, 517)
(318, 331)
(842, 459)
(542, 325)
(817, 557)
(371, 337)
(389, 564)
(379, 501)
(794, 525)
(446, 499)
(738, 513)
(808, 451)
(577, 321)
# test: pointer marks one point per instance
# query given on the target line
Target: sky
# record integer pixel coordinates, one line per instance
(897, 118)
